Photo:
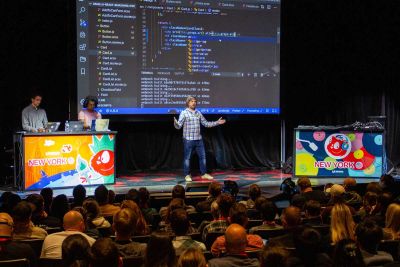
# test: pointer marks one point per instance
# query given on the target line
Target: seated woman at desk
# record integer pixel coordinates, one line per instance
(88, 113)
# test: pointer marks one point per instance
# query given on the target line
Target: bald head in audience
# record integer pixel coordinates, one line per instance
(6, 224)
(291, 217)
(73, 220)
(236, 239)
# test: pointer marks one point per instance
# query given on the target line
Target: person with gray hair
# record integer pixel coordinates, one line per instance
(190, 119)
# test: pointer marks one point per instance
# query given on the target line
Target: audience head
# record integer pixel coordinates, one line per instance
(75, 250)
(21, 214)
(79, 193)
(258, 202)
(37, 201)
(254, 192)
(225, 203)
(104, 253)
(312, 208)
(215, 209)
(160, 251)
(176, 203)
(274, 256)
(144, 197)
(268, 210)
(337, 192)
(374, 187)
(178, 191)
(179, 222)
(73, 220)
(342, 223)
(238, 214)
(347, 253)
(92, 208)
(214, 189)
(124, 223)
(393, 218)
(235, 239)
(303, 183)
(6, 225)
(133, 195)
(59, 206)
(307, 242)
(141, 223)
(111, 196)
(370, 201)
(386, 181)
(369, 234)
(291, 217)
(349, 183)
(192, 258)
(101, 194)
(10, 201)
(47, 194)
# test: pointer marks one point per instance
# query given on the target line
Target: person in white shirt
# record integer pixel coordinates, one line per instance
(73, 224)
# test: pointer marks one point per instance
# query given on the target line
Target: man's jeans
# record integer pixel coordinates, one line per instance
(188, 147)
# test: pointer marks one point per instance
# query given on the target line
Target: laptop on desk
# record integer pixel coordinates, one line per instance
(53, 126)
(75, 126)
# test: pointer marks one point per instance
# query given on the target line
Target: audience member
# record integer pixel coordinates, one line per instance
(73, 224)
(47, 194)
(254, 193)
(101, 196)
(369, 234)
(141, 225)
(347, 254)
(111, 197)
(180, 225)
(23, 226)
(160, 252)
(10, 201)
(312, 214)
(237, 215)
(236, 243)
(59, 206)
(94, 219)
(307, 193)
(90, 229)
(374, 187)
(144, 204)
(133, 195)
(309, 249)
(370, 205)
(342, 223)
(178, 191)
(388, 184)
(291, 219)
(274, 256)
(214, 191)
(9, 249)
(124, 224)
(192, 258)
(79, 193)
(75, 251)
(268, 213)
(104, 253)
(392, 223)
(225, 203)
(39, 215)
(351, 196)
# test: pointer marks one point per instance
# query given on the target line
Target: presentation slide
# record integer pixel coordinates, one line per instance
(338, 154)
(68, 160)
(147, 56)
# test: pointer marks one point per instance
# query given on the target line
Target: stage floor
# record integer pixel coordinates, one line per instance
(162, 182)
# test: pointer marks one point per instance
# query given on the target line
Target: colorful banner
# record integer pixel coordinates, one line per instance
(68, 160)
(338, 153)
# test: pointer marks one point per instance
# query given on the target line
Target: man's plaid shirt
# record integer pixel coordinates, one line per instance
(182, 243)
(191, 120)
(219, 225)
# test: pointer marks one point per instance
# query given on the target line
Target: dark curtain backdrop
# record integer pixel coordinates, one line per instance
(339, 64)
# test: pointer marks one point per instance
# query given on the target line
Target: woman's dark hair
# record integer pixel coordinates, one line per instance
(273, 256)
(47, 194)
(160, 251)
(347, 254)
(144, 197)
(307, 242)
(88, 99)
(79, 193)
(59, 206)
(75, 250)
(92, 208)
(254, 191)
(132, 195)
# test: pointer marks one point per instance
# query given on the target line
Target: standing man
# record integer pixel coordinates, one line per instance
(34, 118)
(191, 119)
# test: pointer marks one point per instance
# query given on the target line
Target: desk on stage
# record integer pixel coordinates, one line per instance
(63, 159)
(338, 152)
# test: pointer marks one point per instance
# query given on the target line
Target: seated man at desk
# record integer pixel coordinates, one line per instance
(34, 118)
(89, 113)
